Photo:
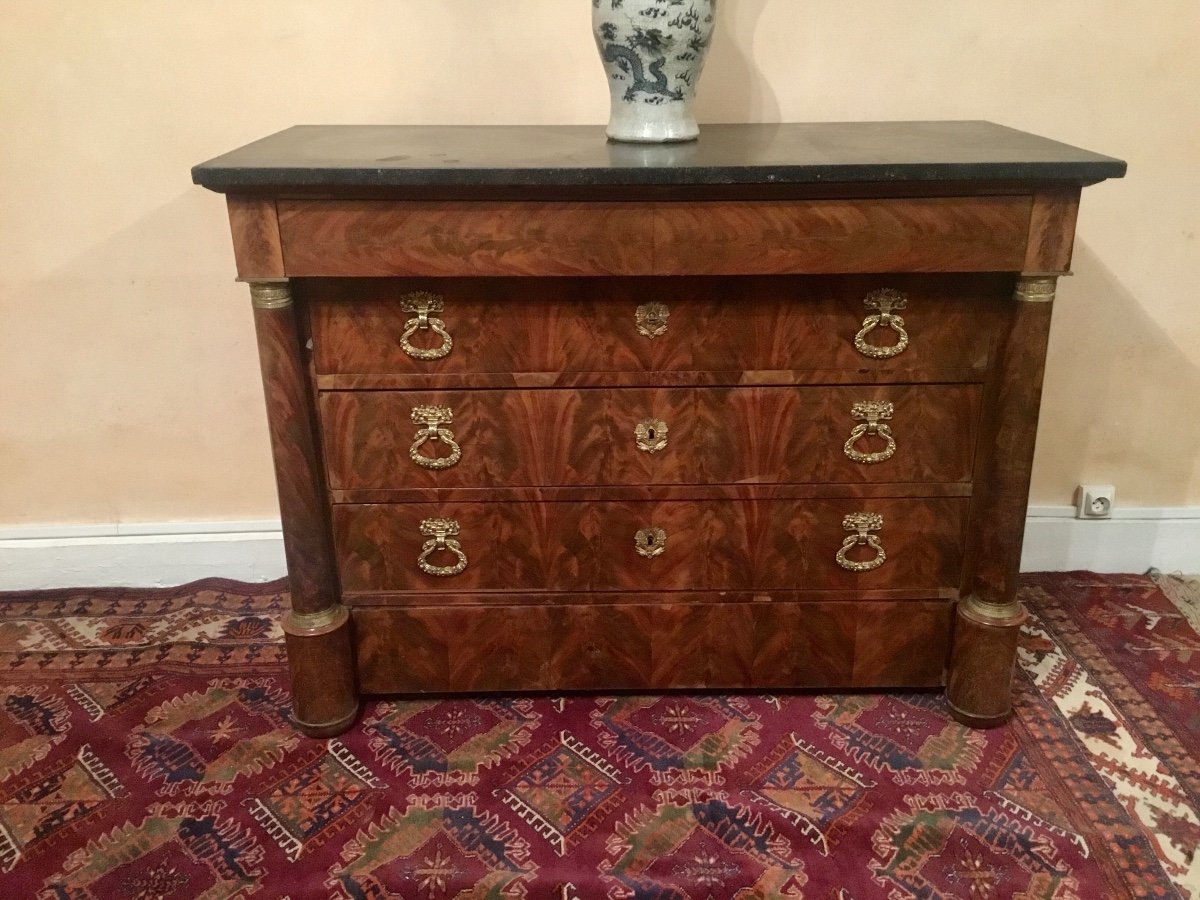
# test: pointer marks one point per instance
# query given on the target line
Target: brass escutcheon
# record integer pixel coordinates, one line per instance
(650, 542)
(441, 537)
(651, 435)
(862, 524)
(870, 415)
(885, 301)
(652, 319)
(422, 303)
(432, 418)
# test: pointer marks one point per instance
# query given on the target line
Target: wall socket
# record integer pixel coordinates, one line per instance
(1094, 501)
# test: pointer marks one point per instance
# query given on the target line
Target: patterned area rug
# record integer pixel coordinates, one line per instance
(145, 752)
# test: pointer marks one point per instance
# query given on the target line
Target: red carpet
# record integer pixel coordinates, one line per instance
(145, 752)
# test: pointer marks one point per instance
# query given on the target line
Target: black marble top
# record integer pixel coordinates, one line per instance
(398, 156)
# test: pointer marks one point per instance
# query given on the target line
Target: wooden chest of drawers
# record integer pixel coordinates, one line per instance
(552, 414)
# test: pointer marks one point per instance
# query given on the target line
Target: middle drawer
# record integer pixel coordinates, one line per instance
(630, 436)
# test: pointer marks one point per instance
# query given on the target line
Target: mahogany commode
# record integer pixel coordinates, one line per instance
(549, 413)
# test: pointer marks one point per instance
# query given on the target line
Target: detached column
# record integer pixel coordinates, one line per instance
(988, 624)
(317, 626)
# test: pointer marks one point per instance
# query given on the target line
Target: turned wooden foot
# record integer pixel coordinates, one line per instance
(979, 688)
(320, 654)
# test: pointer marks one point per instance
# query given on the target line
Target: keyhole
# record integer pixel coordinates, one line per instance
(649, 540)
(650, 434)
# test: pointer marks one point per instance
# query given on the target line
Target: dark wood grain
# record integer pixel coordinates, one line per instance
(561, 437)
(316, 626)
(299, 470)
(575, 547)
(395, 599)
(255, 229)
(506, 438)
(364, 238)
(1052, 230)
(656, 492)
(1005, 462)
(798, 435)
(711, 378)
(530, 331)
(763, 255)
(653, 647)
(979, 687)
(941, 234)
(324, 686)
(372, 238)
(989, 615)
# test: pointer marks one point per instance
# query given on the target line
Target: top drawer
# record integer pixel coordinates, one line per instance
(541, 332)
(364, 238)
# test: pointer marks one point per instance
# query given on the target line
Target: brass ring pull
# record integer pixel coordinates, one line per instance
(422, 304)
(870, 415)
(432, 418)
(885, 301)
(440, 533)
(650, 542)
(862, 524)
(651, 435)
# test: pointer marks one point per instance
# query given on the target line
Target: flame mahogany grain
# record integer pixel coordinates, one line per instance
(320, 656)
(754, 376)
(256, 242)
(299, 475)
(647, 646)
(755, 544)
(738, 435)
(363, 238)
(525, 329)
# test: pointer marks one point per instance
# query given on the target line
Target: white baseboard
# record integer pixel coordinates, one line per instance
(159, 554)
(156, 554)
(1133, 540)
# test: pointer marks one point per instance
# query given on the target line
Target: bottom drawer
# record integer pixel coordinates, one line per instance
(656, 647)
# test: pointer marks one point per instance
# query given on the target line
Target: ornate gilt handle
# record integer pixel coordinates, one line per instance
(431, 419)
(421, 304)
(441, 537)
(885, 301)
(650, 542)
(862, 524)
(870, 415)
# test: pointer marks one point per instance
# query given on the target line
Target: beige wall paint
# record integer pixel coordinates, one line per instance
(128, 381)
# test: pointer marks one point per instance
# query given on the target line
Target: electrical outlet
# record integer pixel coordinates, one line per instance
(1095, 501)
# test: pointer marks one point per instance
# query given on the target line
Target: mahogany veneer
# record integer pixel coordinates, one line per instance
(591, 417)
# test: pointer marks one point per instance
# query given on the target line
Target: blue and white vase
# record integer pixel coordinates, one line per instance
(653, 51)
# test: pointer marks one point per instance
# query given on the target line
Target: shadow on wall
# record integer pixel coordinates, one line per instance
(732, 88)
(1123, 409)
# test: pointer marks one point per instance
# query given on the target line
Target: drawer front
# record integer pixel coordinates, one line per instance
(636, 436)
(446, 238)
(388, 439)
(557, 330)
(648, 545)
(796, 435)
(681, 644)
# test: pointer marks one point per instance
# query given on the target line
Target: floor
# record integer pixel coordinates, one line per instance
(145, 751)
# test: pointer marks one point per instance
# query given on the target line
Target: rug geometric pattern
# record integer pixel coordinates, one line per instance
(146, 751)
